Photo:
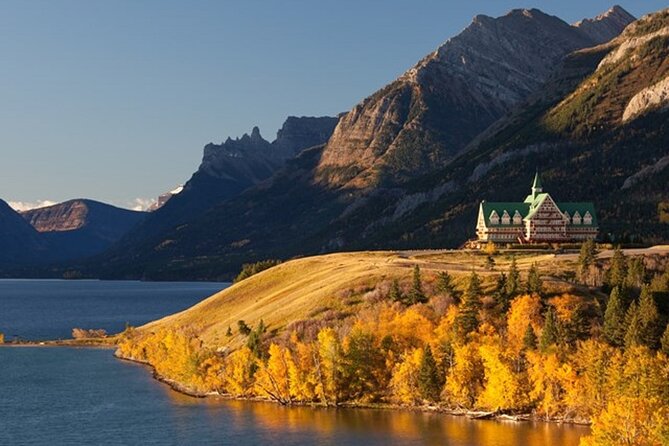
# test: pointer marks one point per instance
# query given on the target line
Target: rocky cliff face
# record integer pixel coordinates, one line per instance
(422, 120)
(227, 170)
(81, 228)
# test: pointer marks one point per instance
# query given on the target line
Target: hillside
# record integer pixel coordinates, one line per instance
(81, 228)
(19, 242)
(568, 337)
(308, 207)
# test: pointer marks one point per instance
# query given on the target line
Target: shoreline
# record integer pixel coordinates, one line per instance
(472, 415)
(73, 343)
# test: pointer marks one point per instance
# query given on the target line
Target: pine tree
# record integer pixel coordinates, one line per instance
(489, 263)
(665, 341)
(649, 320)
(550, 332)
(530, 339)
(636, 272)
(534, 282)
(513, 280)
(617, 274)
(416, 294)
(633, 324)
(229, 332)
(467, 318)
(614, 319)
(445, 285)
(586, 259)
(243, 328)
(500, 295)
(429, 381)
(396, 294)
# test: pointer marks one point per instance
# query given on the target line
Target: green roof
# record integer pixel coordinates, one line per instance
(500, 207)
(582, 208)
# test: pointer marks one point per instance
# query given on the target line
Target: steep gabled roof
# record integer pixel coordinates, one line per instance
(500, 207)
(582, 208)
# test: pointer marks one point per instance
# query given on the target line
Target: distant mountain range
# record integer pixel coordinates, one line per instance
(407, 166)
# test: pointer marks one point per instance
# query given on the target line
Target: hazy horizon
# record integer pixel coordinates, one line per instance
(114, 101)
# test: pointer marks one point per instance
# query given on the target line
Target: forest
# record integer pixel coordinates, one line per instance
(596, 352)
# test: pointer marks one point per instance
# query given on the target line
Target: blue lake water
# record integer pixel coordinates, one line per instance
(70, 396)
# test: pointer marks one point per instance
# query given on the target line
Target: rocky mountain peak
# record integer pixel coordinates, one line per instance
(427, 116)
(605, 26)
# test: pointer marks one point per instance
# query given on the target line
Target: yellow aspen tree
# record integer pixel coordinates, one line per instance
(524, 310)
(330, 365)
(547, 375)
(465, 379)
(502, 388)
(273, 377)
(404, 382)
(304, 382)
(240, 368)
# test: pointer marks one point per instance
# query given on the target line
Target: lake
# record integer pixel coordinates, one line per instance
(71, 396)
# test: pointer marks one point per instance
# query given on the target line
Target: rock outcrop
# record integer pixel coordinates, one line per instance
(423, 119)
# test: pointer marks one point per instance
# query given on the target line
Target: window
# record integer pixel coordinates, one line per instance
(506, 218)
(517, 219)
(587, 218)
(577, 218)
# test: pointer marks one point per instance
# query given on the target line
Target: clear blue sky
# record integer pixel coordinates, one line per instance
(113, 100)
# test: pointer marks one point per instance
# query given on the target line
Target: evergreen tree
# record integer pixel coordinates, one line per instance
(617, 273)
(513, 280)
(586, 259)
(500, 295)
(633, 324)
(243, 328)
(550, 332)
(429, 381)
(530, 339)
(467, 318)
(445, 285)
(229, 332)
(489, 263)
(636, 272)
(254, 340)
(534, 282)
(614, 319)
(416, 294)
(396, 294)
(577, 328)
(649, 320)
(665, 341)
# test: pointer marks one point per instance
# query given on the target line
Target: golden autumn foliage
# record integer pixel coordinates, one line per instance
(378, 354)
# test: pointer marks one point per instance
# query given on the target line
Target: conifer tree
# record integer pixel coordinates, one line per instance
(664, 342)
(513, 280)
(633, 324)
(500, 294)
(649, 320)
(445, 285)
(586, 258)
(416, 294)
(636, 272)
(614, 319)
(530, 339)
(534, 282)
(467, 318)
(229, 332)
(489, 263)
(429, 381)
(550, 332)
(396, 294)
(617, 273)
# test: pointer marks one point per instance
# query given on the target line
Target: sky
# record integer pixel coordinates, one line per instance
(114, 100)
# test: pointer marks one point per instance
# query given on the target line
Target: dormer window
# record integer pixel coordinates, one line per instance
(587, 218)
(494, 218)
(506, 218)
(577, 218)
(517, 218)
(567, 216)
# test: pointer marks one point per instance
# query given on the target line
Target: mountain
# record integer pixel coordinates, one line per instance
(422, 120)
(396, 171)
(164, 198)
(81, 228)
(226, 170)
(19, 242)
